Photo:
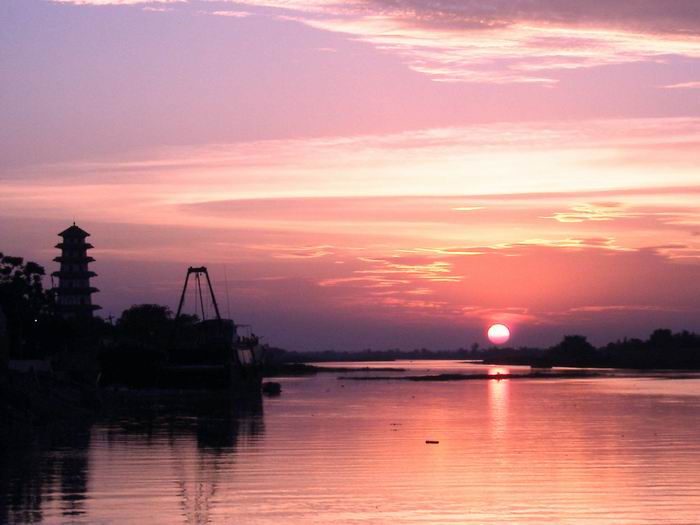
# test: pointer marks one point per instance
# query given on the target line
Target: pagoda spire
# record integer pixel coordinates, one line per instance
(74, 293)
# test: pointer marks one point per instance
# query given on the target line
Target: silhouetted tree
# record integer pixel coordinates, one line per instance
(661, 338)
(143, 341)
(574, 344)
(25, 303)
(573, 350)
(148, 324)
(137, 350)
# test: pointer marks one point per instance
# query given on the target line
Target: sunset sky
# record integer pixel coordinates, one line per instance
(365, 173)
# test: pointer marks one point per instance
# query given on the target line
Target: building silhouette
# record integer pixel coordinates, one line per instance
(74, 293)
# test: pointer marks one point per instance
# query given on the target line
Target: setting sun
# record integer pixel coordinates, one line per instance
(499, 334)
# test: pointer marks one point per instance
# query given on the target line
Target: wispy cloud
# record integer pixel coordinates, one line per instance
(474, 160)
(232, 14)
(468, 208)
(593, 212)
(684, 85)
(519, 52)
(600, 243)
(154, 9)
(436, 271)
(619, 308)
(117, 2)
(295, 252)
(499, 41)
(508, 41)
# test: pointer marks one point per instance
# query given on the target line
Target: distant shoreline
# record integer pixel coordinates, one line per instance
(573, 374)
(663, 350)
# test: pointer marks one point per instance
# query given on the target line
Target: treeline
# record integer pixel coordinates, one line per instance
(663, 349)
(280, 355)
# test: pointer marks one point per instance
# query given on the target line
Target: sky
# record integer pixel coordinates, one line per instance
(365, 173)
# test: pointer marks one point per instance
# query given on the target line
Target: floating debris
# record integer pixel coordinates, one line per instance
(271, 388)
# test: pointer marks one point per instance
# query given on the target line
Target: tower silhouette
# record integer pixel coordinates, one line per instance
(74, 293)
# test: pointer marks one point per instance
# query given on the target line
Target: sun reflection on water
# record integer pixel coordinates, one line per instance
(498, 404)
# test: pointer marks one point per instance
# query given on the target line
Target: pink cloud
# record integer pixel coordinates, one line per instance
(507, 41)
(493, 42)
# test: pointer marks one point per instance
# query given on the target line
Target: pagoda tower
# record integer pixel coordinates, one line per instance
(73, 294)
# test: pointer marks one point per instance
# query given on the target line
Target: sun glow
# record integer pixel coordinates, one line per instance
(499, 334)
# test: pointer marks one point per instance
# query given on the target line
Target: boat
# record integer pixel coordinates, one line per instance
(211, 353)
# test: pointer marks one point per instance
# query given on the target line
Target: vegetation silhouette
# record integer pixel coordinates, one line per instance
(662, 350)
(25, 304)
(136, 347)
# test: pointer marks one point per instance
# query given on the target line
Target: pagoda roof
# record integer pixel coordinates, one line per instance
(85, 246)
(83, 290)
(74, 259)
(80, 274)
(74, 231)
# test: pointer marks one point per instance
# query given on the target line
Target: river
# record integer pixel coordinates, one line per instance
(617, 449)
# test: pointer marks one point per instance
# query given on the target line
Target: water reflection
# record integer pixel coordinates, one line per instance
(498, 390)
(216, 424)
(46, 467)
(49, 473)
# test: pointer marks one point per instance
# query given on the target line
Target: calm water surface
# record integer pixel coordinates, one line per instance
(618, 450)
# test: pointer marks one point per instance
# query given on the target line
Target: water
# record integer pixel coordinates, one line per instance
(613, 450)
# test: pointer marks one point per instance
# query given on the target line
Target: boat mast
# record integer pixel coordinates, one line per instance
(197, 272)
